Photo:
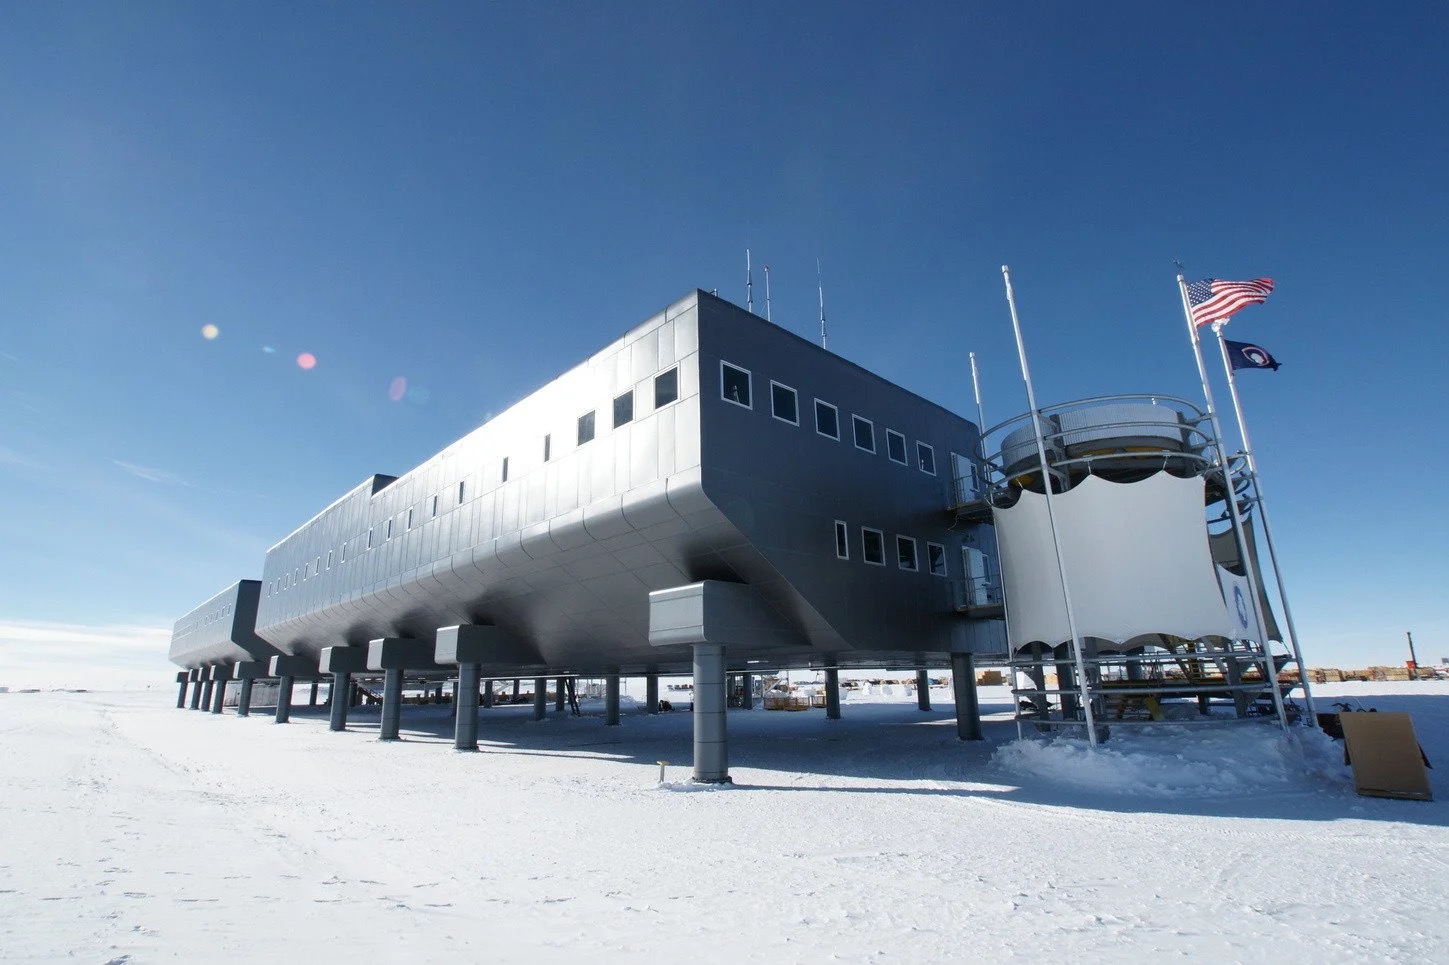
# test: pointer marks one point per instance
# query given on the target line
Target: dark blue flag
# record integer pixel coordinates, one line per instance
(1246, 355)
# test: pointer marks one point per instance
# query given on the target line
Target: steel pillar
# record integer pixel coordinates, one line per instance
(284, 699)
(207, 689)
(832, 693)
(312, 698)
(651, 693)
(341, 687)
(747, 695)
(611, 699)
(391, 705)
(218, 698)
(515, 691)
(923, 690)
(487, 693)
(181, 679)
(963, 684)
(711, 742)
(540, 698)
(465, 727)
(196, 686)
(244, 698)
(558, 697)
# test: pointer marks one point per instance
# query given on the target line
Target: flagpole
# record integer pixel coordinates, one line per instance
(1270, 670)
(1267, 527)
(1082, 686)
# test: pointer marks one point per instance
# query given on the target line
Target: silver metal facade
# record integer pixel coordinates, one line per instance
(221, 630)
(563, 551)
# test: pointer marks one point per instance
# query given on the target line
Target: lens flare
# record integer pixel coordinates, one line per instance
(307, 360)
(397, 389)
(209, 332)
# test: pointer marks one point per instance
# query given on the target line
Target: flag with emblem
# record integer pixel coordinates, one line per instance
(1213, 299)
(1246, 355)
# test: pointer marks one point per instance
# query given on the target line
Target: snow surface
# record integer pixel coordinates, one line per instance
(134, 832)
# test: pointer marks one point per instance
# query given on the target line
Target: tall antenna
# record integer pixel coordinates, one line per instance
(820, 287)
(767, 293)
(749, 285)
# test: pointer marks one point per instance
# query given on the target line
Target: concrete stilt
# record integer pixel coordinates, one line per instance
(515, 690)
(391, 705)
(244, 698)
(181, 679)
(558, 696)
(284, 699)
(454, 702)
(465, 727)
(487, 693)
(207, 689)
(923, 690)
(611, 699)
(963, 683)
(651, 693)
(312, 697)
(196, 679)
(341, 685)
(711, 744)
(540, 698)
(747, 698)
(832, 693)
(218, 697)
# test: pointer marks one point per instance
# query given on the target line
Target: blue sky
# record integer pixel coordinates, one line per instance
(473, 197)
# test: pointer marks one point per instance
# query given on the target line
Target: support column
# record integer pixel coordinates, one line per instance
(540, 698)
(487, 693)
(244, 698)
(923, 690)
(747, 698)
(515, 691)
(182, 679)
(207, 689)
(711, 744)
(651, 693)
(1067, 682)
(196, 679)
(832, 693)
(1233, 671)
(465, 727)
(284, 698)
(222, 675)
(391, 705)
(312, 698)
(558, 696)
(963, 683)
(611, 700)
(341, 686)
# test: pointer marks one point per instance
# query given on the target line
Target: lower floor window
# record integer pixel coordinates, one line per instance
(872, 546)
(906, 553)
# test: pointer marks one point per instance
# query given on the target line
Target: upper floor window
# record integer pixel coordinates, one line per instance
(906, 553)
(548, 447)
(435, 505)
(842, 540)
(783, 404)
(329, 559)
(389, 529)
(872, 546)
(462, 491)
(827, 420)
(504, 477)
(410, 517)
(734, 384)
(666, 387)
(896, 447)
(926, 458)
(936, 559)
(624, 409)
(586, 428)
(864, 433)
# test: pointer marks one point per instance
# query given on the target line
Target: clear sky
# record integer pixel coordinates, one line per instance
(474, 197)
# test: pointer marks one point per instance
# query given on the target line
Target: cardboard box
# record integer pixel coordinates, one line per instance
(1385, 755)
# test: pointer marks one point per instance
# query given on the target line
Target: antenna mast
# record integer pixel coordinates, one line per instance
(767, 294)
(820, 287)
(749, 285)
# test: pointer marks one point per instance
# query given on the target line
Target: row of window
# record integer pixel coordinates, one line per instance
(873, 550)
(205, 621)
(666, 390)
(735, 387)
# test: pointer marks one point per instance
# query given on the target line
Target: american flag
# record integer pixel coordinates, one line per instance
(1213, 299)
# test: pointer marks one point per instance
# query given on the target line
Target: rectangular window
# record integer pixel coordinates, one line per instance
(369, 539)
(389, 531)
(926, 458)
(783, 404)
(734, 384)
(329, 559)
(548, 447)
(666, 388)
(827, 420)
(864, 433)
(842, 540)
(410, 517)
(586, 428)
(624, 409)
(462, 491)
(872, 546)
(896, 447)
(936, 559)
(435, 506)
(505, 470)
(906, 553)
(344, 551)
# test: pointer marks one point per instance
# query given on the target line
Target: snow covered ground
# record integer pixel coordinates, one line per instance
(134, 832)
